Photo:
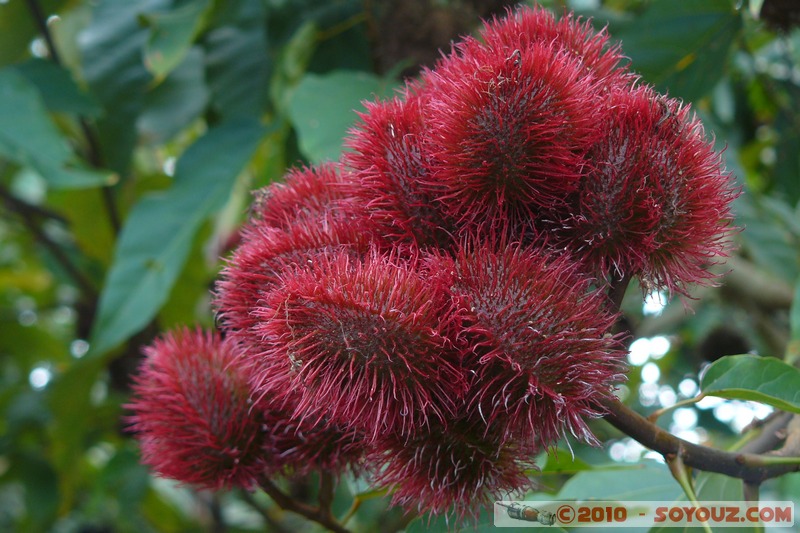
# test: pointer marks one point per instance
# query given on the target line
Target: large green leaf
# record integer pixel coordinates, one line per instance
(57, 88)
(111, 56)
(175, 103)
(238, 61)
(41, 489)
(69, 397)
(758, 379)
(771, 237)
(29, 138)
(650, 482)
(320, 128)
(93, 234)
(158, 233)
(682, 47)
(338, 42)
(171, 35)
(786, 172)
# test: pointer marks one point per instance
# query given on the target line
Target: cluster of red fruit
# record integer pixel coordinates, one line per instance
(433, 309)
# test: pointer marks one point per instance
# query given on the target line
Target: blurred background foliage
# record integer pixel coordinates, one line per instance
(131, 132)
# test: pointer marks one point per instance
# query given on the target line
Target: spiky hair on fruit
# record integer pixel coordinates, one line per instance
(521, 28)
(200, 422)
(306, 192)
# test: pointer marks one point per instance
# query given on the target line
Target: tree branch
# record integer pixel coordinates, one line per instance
(773, 432)
(791, 438)
(617, 291)
(20, 206)
(41, 22)
(273, 524)
(319, 515)
(751, 468)
(29, 215)
(752, 284)
(326, 490)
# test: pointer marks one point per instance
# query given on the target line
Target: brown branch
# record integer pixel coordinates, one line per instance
(752, 284)
(791, 437)
(617, 291)
(273, 524)
(30, 218)
(751, 468)
(326, 490)
(319, 515)
(41, 22)
(212, 503)
(21, 206)
(773, 432)
(750, 492)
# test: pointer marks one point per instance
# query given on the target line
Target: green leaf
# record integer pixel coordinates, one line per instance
(717, 487)
(41, 490)
(111, 59)
(758, 379)
(563, 461)
(443, 524)
(344, 44)
(649, 482)
(171, 36)
(710, 488)
(158, 233)
(93, 234)
(57, 88)
(175, 103)
(787, 159)
(682, 47)
(646, 481)
(238, 69)
(69, 399)
(321, 128)
(29, 138)
(189, 295)
(771, 239)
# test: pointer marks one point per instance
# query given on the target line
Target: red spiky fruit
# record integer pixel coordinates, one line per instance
(361, 342)
(388, 160)
(256, 267)
(193, 413)
(509, 129)
(522, 28)
(454, 469)
(306, 192)
(536, 340)
(656, 202)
